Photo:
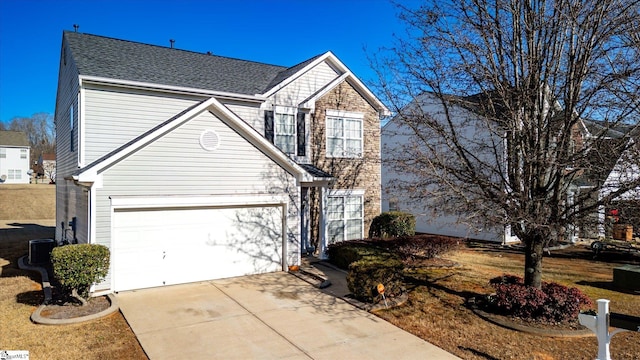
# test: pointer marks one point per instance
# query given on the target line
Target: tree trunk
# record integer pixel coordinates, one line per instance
(75, 294)
(533, 261)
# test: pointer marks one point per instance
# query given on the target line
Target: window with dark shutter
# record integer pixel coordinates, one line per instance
(268, 125)
(301, 134)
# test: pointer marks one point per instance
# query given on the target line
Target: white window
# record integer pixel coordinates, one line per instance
(344, 134)
(3, 153)
(23, 153)
(15, 174)
(284, 136)
(345, 213)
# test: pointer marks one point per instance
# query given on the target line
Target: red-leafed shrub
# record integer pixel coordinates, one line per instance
(553, 302)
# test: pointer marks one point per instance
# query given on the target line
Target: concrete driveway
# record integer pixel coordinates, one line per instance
(269, 316)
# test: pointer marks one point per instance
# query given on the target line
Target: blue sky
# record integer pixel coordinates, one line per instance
(281, 32)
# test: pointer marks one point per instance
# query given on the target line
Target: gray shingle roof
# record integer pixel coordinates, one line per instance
(13, 138)
(126, 60)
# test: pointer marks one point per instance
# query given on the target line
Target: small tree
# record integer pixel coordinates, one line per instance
(77, 267)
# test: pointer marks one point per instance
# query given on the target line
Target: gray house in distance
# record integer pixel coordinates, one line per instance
(192, 166)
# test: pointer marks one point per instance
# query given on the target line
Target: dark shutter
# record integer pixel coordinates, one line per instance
(302, 136)
(268, 125)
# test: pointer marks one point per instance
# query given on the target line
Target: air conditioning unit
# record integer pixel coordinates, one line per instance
(40, 250)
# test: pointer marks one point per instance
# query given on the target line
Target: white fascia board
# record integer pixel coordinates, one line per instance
(261, 142)
(168, 88)
(123, 202)
(300, 72)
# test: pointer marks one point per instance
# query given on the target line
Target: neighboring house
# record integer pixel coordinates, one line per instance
(606, 163)
(610, 167)
(46, 167)
(395, 136)
(14, 158)
(192, 166)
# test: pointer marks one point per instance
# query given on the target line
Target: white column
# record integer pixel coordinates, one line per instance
(322, 242)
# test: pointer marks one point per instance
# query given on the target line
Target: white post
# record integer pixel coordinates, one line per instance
(323, 223)
(602, 327)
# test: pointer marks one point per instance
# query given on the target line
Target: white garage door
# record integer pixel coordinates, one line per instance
(156, 247)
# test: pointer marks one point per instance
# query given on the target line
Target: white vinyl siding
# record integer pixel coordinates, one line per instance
(249, 112)
(176, 165)
(115, 118)
(344, 134)
(306, 85)
(14, 165)
(345, 212)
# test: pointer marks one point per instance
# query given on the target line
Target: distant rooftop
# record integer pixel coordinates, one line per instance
(13, 138)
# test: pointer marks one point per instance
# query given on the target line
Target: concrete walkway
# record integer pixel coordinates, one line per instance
(269, 316)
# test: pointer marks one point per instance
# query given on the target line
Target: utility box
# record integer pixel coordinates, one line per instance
(627, 277)
(40, 250)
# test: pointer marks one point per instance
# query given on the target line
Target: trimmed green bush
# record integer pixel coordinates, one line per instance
(77, 267)
(344, 253)
(392, 224)
(365, 275)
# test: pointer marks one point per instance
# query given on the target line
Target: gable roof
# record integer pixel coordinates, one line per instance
(106, 57)
(13, 138)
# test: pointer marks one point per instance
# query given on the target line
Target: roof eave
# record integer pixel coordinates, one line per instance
(87, 79)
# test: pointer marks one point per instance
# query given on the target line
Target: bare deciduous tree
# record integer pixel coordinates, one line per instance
(508, 87)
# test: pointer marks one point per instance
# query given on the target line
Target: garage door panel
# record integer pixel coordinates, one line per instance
(174, 246)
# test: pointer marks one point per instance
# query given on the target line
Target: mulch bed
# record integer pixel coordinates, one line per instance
(70, 310)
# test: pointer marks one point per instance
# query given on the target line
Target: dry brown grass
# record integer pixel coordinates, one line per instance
(27, 202)
(436, 310)
(21, 291)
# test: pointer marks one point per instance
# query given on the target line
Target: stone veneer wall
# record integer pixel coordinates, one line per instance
(350, 173)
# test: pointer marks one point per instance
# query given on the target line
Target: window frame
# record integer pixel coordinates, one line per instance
(3, 153)
(344, 117)
(23, 153)
(345, 216)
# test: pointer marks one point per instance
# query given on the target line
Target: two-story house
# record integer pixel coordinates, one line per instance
(14, 157)
(191, 166)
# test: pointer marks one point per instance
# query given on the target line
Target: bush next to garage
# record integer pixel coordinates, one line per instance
(367, 273)
(77, 267)
(392, 224)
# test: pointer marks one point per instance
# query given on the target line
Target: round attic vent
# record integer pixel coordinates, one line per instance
(209, 140)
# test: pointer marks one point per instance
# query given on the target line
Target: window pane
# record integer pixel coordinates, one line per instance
(23, 153)
(353, 129)
(354, 207)
(335, 231)
(334, 147)
(335, 208)
(354, 229)
(285, 143)
(3, 153)
(334, 127)
(354, 147)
